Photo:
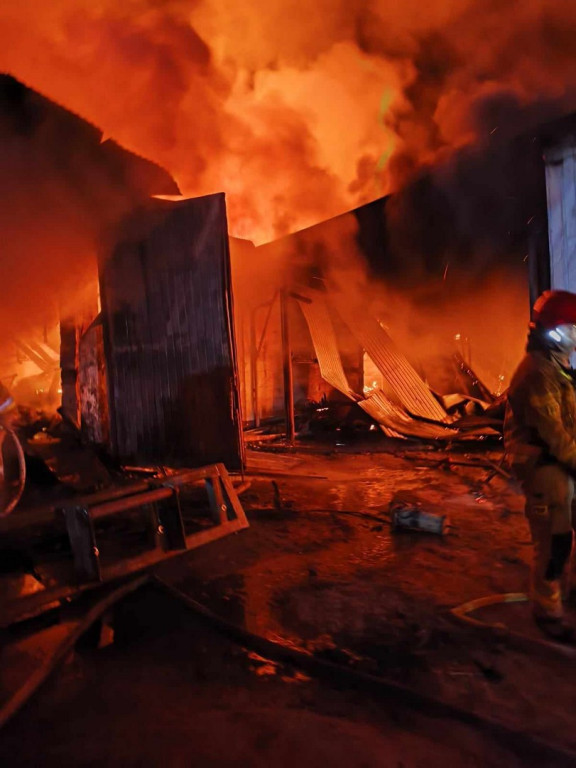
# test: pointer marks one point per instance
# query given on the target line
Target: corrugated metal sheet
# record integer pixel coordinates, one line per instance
(166, 305)
(561, 194)
(409, 388)
(393, 419)
(325, 344)
(396, 423)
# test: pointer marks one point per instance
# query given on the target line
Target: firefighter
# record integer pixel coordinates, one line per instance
(540, 441)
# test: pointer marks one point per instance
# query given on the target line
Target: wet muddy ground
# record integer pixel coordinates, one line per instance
(170, 692)
(319, 569)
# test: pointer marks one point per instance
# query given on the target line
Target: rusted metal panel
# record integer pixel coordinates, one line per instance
(167, 310)
(408, 387)
(92, 386)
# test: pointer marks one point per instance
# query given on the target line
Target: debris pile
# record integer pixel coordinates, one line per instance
(405, 406)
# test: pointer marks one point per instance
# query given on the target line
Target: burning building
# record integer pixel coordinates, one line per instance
(342, 221)
(449, 266)
(67, 192)
(453, 304)
(64, 189)
(429, 119)
(135, 338)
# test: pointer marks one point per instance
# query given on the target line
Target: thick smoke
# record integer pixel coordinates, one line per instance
(296, 115)
(63, 191)
(478, 208)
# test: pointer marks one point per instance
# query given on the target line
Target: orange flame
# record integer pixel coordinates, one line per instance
(293, 114)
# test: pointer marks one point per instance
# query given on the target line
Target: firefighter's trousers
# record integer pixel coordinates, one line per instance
(549, 491)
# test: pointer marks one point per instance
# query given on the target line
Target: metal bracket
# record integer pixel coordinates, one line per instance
(171, 524)
(216, 497)
(82, 537)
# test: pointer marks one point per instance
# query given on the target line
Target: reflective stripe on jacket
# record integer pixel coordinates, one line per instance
(6, 400)
(540, 422)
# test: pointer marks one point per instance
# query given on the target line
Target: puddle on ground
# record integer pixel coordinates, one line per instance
(310, 576)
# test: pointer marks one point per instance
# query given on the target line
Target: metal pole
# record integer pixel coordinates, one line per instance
(287, 364)
(254, 369)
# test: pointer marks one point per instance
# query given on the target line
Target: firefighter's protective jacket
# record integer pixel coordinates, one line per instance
(540, 424)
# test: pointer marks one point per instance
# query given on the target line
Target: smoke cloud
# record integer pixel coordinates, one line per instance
(63, 191)
(296, 116)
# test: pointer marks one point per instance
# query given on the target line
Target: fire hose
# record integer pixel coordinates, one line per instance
(333, 673)
(323, 669)
(522, 743)
(462, 614)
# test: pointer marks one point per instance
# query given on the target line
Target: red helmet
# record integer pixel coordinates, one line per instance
(555, 308)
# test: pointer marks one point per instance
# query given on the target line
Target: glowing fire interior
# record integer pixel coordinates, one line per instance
(296, 119)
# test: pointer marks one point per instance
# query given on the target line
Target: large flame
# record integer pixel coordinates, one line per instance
(296, 112)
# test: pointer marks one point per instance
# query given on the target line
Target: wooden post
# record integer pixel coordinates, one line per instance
(287, 364)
